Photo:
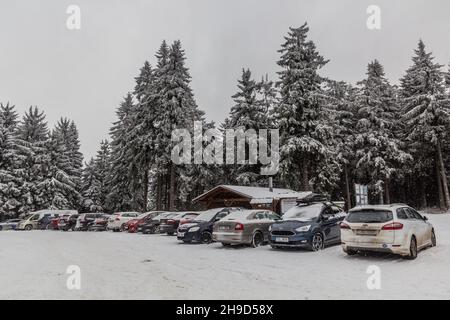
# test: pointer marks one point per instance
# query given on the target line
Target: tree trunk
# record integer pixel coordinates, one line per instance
(387, 191)
(381, 198)
(439, 186)
(443, 176)
(347, 189)
(145, 195)
(172, 189)
(159, 192)
(305, 176)
(423, 194)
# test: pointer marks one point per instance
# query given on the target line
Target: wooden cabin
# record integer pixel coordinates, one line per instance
(275, 199)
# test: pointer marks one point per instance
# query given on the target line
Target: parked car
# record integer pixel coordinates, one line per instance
(67, 222)
(31, 221)
(86, 220)
(10, 224)
(249, 227)
(396, 228)
(133, 225)
(53, 224)
(100, 223)
(117, 221)
(45, 222)
(201, 228)
(170, 225)
(311, 224)
(151, 226)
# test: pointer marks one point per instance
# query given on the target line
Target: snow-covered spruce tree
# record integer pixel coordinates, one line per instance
(10, 169)
(307, 156)
(341, 99)
(378, 152)
(57, 187)
(120, 196)
(247, 113)
(65, 138)
(94, 178)
(91, 188)
(176, 109)
(32, 141)
(144, 131)
(267, 100)
(427, 110)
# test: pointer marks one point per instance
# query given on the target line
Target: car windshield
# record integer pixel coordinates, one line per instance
(369, 216)
(207, 215)
(303, 212)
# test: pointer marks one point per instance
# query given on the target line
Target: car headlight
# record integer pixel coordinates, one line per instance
(303, 228)
(193, 229)
(270, 228)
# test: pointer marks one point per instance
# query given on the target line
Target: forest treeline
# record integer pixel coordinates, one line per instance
(393, 138)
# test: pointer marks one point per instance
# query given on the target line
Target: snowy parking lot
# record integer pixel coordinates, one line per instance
(33, 265)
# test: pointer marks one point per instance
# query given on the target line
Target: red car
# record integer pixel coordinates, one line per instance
(133, 225)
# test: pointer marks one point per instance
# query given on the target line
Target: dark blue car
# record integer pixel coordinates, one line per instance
(311, 225)
(201, 228)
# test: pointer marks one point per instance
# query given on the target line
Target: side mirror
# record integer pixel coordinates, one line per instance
(425, 218)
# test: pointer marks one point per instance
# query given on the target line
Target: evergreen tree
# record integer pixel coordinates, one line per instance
(94, 177)
(426, 111)
(248, 113)
(10, 163)
(304, 130)
(32, 140)
(120, 196)
(341, 99)
(378, 152)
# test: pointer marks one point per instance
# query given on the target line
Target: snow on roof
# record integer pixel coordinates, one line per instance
(259, 194)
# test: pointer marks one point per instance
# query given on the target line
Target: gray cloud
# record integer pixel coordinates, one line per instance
(84, 74)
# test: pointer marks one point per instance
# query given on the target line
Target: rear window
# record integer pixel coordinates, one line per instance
(370, 216)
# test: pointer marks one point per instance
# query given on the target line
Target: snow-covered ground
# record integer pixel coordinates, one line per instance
(124, 266)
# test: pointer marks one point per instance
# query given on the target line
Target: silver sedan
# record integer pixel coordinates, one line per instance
(250, 227)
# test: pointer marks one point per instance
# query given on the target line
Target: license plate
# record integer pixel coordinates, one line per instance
(181, 234)
(279, 239)
(366, 232)
(223, 228)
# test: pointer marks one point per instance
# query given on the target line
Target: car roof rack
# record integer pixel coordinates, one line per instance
(313, 197)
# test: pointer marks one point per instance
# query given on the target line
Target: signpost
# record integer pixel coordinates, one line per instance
(362, 195)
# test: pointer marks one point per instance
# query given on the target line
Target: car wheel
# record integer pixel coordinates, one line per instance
(257, 240)
(28, 227)
(122, 227)
(433, 238)
(152, 230)
(206, 237)
(317, 242)
(412, 249)
(1, 228)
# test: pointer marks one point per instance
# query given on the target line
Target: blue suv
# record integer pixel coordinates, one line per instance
(313, 223)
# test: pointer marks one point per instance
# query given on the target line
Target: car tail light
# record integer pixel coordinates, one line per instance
(117, 219)
(239, 226)
(392, 226)
(170, 221)
(344, 225)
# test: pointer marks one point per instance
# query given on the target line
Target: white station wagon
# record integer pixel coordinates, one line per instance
(395, 228)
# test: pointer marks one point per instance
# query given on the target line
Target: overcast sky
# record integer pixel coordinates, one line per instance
(83, 74)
